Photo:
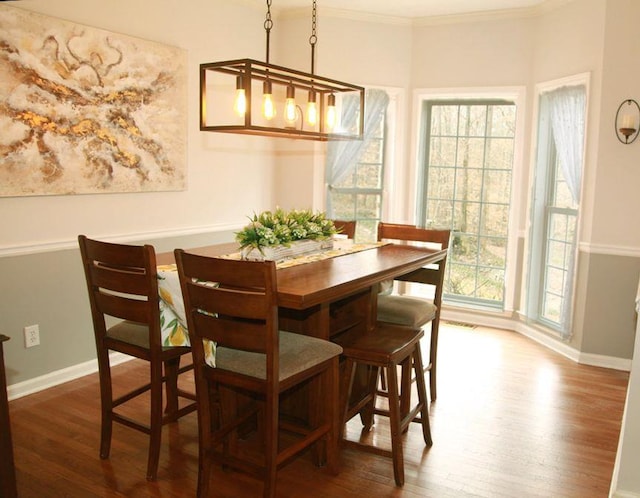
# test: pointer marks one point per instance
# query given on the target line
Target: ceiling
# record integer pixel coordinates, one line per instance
(411, 8)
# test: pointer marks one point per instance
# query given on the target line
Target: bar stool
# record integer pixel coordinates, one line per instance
(387, 347)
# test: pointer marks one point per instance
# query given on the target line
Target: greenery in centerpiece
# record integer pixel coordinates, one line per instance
(282, 228)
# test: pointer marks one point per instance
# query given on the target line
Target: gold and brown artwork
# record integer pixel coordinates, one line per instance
(83, 110)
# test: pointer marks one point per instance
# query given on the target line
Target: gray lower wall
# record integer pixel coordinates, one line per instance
(605, 315)
(49, 289)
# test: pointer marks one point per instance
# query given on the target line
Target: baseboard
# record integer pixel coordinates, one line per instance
(500, 321)
(52, 379)
(620, 493)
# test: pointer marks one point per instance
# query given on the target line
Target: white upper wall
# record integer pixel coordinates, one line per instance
(473, 54)
(616, 199)
(229, 177)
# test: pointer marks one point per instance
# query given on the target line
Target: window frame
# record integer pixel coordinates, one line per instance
(542, 151)
(517, 95)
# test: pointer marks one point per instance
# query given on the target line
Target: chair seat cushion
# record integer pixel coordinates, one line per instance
(131, 333)
(297, 353)
(405, 310)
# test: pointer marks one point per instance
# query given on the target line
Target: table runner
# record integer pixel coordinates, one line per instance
(173, 323)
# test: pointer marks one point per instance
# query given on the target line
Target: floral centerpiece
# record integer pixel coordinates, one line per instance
(279, 235)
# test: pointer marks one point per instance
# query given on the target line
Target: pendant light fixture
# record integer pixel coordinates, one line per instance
(264, 102)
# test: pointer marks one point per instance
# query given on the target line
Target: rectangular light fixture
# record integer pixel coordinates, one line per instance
(256, 98)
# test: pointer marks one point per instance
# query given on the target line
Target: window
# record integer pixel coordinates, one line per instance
(555, 207)
(468, 151)
(355, 170)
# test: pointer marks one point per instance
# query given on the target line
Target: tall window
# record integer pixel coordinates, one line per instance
(468, 150)
(555, 207)
(355, 170)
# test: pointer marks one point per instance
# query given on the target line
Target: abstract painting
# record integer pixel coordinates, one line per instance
(84, 110)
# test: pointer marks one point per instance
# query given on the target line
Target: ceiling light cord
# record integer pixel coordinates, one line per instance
(268, 24)
(313, 39)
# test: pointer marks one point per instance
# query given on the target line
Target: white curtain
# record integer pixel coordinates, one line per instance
(567, 106)
(343, 155)
(567, 113)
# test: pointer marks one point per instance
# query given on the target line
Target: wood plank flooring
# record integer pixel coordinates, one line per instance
(512, 419)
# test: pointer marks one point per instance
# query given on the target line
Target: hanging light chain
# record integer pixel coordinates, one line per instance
(268, 24)
(313, 39)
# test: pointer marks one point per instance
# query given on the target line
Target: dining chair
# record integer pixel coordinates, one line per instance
(414, 311)
(345, 227)
(382, 350)
(122, 284)
(232, 308)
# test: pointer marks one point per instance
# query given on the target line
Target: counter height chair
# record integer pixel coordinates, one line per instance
(347, 228)
(382, 350)
(234, 304)
(417, 311)
(122, 284)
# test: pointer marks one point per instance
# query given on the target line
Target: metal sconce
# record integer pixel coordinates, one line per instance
(627, 121)
(259, 98)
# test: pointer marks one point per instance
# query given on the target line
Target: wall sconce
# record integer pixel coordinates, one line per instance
(628, 121)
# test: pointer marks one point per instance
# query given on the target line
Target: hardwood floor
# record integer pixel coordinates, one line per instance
(512, 419)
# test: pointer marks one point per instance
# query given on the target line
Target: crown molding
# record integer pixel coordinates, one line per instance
(492, 15)
(472, 17)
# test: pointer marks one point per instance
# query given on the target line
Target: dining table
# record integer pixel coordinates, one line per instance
(317, 296)
(321, 295)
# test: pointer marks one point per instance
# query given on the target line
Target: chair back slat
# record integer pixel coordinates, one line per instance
(239, 303)
(118, 279)
(232, 333)
(117, 255)
(123, 307)
(412, 234)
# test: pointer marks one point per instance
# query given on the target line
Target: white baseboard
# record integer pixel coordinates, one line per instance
(620, 493)
(52, 379)
(508, 323)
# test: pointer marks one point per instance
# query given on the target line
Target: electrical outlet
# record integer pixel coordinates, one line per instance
(31, 336)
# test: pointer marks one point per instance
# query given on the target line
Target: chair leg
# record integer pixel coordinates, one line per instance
(395, 424)
(155, 432)
(433, 358)
(368, 411)
(205, 429)
(422, 396)
(405, 383)
(331, 390)
(171, 368)
(317, 415)
(271, 445)
(106, 402)
(346, 387)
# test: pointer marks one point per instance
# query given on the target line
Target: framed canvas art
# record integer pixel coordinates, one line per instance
(84, 110)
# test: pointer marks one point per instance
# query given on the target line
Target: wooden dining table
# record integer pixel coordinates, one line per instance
(325, 298)
(328, 297)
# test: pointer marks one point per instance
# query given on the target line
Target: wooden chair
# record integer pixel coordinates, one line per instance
(253, 358)
(383, 350)
(122, 283)
(347, 228)
(417, 311)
